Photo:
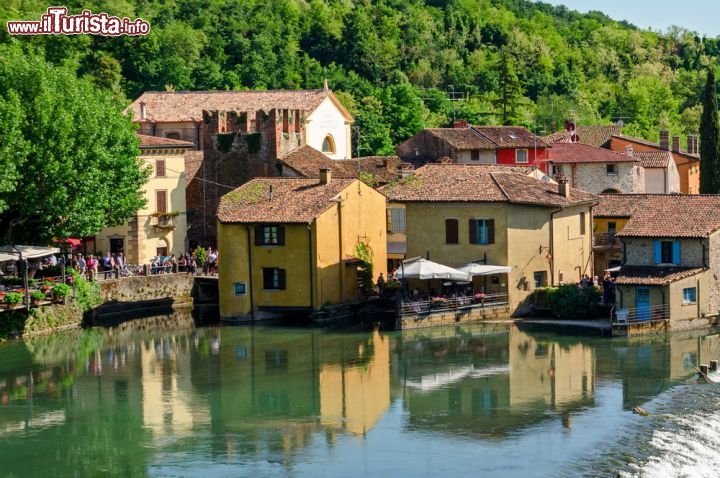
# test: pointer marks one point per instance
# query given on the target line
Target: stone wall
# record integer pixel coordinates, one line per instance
(451, 317)
(143, 288)
(640, 252)
(593, 177)
(40, 320)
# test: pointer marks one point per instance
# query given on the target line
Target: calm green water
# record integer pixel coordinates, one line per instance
(160, 397)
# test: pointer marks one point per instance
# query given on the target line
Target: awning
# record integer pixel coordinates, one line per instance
(73, 241)
(613, 269)
(476, 269)
(12, 253)
(420, 268)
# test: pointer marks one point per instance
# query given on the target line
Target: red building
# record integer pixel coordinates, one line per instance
(466, 144)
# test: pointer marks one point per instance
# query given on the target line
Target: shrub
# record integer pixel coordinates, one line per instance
(365, 270)
(13, 298)
(87, 293)
(200, 256)
(572, 302)
(60, 291)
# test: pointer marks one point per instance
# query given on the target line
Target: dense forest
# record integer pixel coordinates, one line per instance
(400, 65)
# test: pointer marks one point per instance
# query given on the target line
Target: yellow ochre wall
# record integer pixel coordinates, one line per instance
(600, 224)
(359, 215)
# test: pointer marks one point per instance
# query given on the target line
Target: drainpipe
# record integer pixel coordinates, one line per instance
(697, 298)
(310, 266)
(250, 281)
(340, 251)
(552, 248)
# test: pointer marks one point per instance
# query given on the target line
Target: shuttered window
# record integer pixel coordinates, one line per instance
(666, 252)
(269, 235)
(160, 168)
(582, 223)
(273, 278)
(482, 231)
(161, 201)
(451, 231)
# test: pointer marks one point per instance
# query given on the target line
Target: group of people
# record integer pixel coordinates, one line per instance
(188, 262)
(91, 266)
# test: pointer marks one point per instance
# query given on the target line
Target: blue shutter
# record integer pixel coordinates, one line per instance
(657, 258)
(676, 252)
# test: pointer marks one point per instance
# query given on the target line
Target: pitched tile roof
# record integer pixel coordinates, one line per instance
(307, 162)
(654, 159)
(510, 137)
(583, 153)
(462, 138)
(653, 275)
(293, 200)
(169, 106)
(479, 183)
(694, 157)
(619, 205)
(674, 215)
(193, 162)
(594, 135)
(158, 142)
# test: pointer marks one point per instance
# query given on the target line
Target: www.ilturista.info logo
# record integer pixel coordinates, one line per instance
(57, 22)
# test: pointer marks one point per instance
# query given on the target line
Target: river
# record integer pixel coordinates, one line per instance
(164, 397)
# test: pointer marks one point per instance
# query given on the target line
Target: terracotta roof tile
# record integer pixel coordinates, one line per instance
(593, 135)
(674, 215)
(695, 157)
(193, 161)
(654, 159)
(479, 183)
(510, 137)
(583, 153)
(158, 142)
(168, 106)
(619, 205)
(307, 162)
(462, 138)
(650, 275)
(293, 200)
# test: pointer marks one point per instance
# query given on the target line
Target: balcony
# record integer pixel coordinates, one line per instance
(606, 242)
(163, 220)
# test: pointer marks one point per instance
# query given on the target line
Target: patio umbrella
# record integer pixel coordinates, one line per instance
(425, 269)
(12, 253)
(475, 269)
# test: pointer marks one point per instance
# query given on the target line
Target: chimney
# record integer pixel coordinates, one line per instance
(676, 144)
(325, 85)
(460, 124)
(665, 140)
(692, 144)
(386, 164)
(563, 186)
(270, 191)
(325, 176)
(629, 150)
(405, 171)
(142, 111)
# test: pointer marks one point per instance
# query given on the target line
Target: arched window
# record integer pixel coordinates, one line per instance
(172, 135)
(611, 191)
(328, 144)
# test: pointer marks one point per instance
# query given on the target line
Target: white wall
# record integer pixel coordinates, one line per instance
(327, 119)
(485, 157)
(662, 181)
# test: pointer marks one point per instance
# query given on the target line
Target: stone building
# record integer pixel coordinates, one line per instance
(597, 170)
(661, 174)
(671, 260)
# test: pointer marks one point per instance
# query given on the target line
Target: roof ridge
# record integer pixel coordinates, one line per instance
(475, 128)
(233, 91)
(497, 183)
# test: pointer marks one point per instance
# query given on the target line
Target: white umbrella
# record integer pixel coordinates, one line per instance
(476, 269)
(424, 269)
(12, 253)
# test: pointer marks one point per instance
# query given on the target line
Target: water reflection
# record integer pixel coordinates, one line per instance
(160, 396)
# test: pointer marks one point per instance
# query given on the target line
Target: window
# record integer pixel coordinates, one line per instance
(160, 168)
(161, 201)
(521, 155)
(396, 220)
(273, 278)
(482, 231)
(539, 277)
(172, 135)
(582, 223)
(475, 155)
(557, 170)
(328, 145)
(689, 295)
(666, 252)
(269, 235)
(451, 231)
(611, 169)
(612, 228)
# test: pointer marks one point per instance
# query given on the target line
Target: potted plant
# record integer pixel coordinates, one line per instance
(13, 299)
(37, 297)
(46, 286)
(60, 291)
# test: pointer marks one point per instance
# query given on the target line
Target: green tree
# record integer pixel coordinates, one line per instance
(709, 139)
(70, 155)
(509, 92)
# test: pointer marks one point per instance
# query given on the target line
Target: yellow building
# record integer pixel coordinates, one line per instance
(290, 245)
(457, 214)
(160, 228)
(609, 217)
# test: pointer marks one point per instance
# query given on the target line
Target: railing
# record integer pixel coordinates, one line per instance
(164, 221)
(655, 313)
(606, 241)
(489, 301)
